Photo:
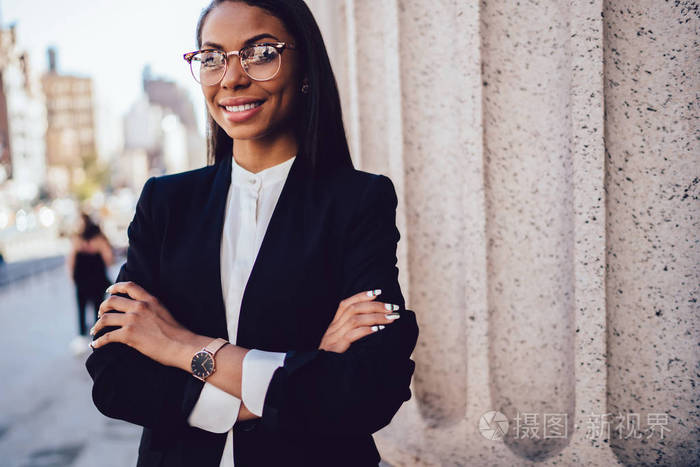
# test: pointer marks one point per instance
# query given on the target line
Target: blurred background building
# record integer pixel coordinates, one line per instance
(70, 137)
(25, 220)
(160, 134)
(22, 122)
(53, 160)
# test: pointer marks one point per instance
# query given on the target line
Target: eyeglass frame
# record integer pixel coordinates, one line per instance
(280, 46)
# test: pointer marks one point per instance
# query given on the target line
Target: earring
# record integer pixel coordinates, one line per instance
(305, 86)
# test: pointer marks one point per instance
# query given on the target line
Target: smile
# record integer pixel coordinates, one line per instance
(242, 113)
(242, 108)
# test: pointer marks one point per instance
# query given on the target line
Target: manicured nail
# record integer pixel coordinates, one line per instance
(374, 293)
(390, 307)
(92, 331)
(109, 289)
(381, 326)
(375, 328)
(392, 316)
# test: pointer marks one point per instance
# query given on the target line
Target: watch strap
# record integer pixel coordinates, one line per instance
(215, 345)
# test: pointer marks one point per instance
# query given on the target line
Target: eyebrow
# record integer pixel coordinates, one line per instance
(252, 39)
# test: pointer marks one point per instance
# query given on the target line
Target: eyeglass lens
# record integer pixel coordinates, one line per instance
(260, 62)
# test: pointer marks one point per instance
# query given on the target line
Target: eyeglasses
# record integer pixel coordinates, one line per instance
(261, 62)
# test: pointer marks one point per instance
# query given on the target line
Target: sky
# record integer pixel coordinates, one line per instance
(110, 41)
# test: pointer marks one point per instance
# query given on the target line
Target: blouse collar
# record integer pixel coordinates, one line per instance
(244, 178)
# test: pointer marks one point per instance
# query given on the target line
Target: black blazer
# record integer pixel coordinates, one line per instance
(329, 237)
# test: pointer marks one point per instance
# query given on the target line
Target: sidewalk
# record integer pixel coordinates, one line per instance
(46, 413)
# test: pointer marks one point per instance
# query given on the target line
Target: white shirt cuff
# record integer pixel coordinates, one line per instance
(258, 368)
(215, 411)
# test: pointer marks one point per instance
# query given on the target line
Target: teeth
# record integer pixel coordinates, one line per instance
(241, 108)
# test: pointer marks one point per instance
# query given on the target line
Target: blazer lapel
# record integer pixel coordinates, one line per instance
(210, 233)
(278, 267)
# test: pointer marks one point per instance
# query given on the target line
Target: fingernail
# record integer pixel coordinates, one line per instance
(390, 307)
(373, 293)
(381, 326)
(109, 289)
(375, 328)
(92, 346)
(392, 316)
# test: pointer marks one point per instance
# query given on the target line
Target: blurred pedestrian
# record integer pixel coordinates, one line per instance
(3, 270)
(89, 257)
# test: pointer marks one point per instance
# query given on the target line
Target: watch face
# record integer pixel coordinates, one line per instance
(202, 364)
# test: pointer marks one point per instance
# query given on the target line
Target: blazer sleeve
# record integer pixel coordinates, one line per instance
(126, 384)
(360, 390)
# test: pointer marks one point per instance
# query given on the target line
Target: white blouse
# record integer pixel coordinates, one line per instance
(252, 198)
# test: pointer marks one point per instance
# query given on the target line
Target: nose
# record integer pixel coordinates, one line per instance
(235, 75)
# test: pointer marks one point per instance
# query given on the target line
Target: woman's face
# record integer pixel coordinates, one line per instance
(230, 26)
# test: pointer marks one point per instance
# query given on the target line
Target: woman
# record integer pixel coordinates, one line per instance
(244, 328)
(87, 263)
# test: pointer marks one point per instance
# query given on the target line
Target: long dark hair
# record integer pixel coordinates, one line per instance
(89, 228)
(319, 128)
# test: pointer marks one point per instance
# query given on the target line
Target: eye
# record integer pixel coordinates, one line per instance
(260, 54)
(210, 59)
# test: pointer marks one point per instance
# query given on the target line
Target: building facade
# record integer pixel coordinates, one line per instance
(22, 121)
(160, 131)
(70, 136)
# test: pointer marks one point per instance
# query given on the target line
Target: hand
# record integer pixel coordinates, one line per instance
(245, 414)
(356, 317)
(144, 324)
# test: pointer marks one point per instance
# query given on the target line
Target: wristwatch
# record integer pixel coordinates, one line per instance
(203, 364)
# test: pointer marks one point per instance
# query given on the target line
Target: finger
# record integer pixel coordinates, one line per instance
(366, 321)
(118, 304)
(370, 319)
(133, 290)
(349, 303)
(372, 307)
(366, 296)
(358, 333)
(365, 308)
(109, 319)
(117, 335)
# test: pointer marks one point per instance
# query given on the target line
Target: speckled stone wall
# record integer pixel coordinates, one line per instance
(547, 162)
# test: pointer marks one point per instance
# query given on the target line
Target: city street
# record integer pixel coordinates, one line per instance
(46, 413)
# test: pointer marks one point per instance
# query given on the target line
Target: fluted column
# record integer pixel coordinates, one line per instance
(529, 215)
(653, 226)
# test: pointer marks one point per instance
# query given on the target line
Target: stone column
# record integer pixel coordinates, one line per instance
(545, 155)
(652, 70)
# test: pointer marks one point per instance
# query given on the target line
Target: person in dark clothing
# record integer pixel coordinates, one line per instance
(90, 255)
(244, 329)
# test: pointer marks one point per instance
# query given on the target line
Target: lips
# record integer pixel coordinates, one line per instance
(229, 101)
